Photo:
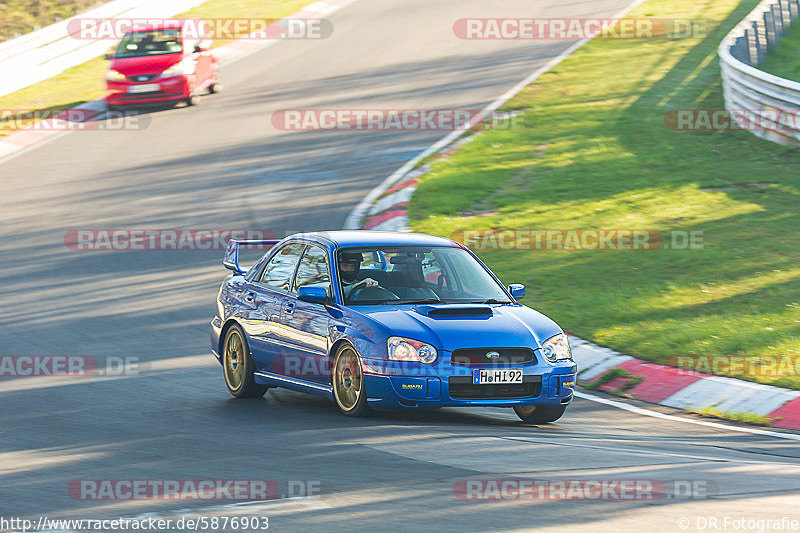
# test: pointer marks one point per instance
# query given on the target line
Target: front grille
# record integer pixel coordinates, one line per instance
(477, 356)
(462, 388)
(145, 96)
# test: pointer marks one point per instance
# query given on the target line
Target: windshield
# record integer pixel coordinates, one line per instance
(150, 43)
(414, 274)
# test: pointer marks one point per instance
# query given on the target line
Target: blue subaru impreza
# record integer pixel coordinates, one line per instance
(386, 320)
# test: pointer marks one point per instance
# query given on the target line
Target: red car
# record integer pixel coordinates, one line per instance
(157, 64)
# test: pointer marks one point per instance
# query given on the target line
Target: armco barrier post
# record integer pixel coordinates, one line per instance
(777, 15)
(758, 42)
(748, 42)
(784, 16)
(770, 31)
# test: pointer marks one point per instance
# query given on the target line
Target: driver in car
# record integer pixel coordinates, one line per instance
(349, 267)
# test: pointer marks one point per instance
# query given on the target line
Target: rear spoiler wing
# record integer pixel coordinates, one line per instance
(231, 259)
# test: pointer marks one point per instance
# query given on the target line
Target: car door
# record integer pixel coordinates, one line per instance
(304, 325)
(265, 296)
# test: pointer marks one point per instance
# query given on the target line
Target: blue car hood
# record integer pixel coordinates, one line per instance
(505, 326)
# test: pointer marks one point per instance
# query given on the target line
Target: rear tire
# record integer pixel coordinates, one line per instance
(348, 382)
(215, 88)
(192, 100)
(539, 414)
(238, 366)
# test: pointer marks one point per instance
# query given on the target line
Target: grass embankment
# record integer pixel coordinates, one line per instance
(22, 16)
(86, 82)
(746, 417)
(595, 153)
(784, 60)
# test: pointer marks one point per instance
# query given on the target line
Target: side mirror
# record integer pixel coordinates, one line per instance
(517, 290)
(109, 56)
(315, 295)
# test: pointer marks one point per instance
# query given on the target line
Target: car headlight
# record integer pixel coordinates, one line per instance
(115, 75)
(402, 349)
(556, 348)
(178, 69)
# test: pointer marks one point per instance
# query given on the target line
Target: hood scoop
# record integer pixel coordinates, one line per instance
(455, 310)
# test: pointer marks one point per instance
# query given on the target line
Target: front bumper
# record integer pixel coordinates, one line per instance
(170, 90)
(393, 384)
(216, 332)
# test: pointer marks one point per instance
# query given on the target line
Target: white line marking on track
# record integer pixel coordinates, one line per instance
(656, 414)
(27, 149)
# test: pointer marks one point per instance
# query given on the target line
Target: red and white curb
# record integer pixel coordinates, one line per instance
(47, 130)
(684, 389)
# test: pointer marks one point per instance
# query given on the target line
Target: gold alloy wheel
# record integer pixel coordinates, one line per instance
(525, 410)
(234, 362)
(348, 381)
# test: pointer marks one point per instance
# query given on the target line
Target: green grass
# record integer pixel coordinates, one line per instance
(784, 60)
(747, 417)
(595, 153)
(86, 82)
(630, 381)
(21, 16)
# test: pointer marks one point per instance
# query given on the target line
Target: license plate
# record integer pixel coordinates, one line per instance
(145, 88)
(495, 376)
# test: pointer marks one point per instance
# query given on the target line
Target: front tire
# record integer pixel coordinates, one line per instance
(539, 414)
(348, 382)
(238, 366)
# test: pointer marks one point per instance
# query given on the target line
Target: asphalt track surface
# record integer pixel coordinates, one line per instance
(223, 165)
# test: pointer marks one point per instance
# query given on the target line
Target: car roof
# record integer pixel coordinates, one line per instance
(156, 26)
(350, 238)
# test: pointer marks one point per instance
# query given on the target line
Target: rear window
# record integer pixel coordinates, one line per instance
(150, 43)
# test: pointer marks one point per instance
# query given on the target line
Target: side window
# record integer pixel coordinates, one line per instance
(280, 269)
(313, 270)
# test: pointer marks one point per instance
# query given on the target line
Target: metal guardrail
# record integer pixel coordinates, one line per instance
(774, 101)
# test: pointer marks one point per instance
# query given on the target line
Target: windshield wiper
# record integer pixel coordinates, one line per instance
(490, 301)
(421, 301)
